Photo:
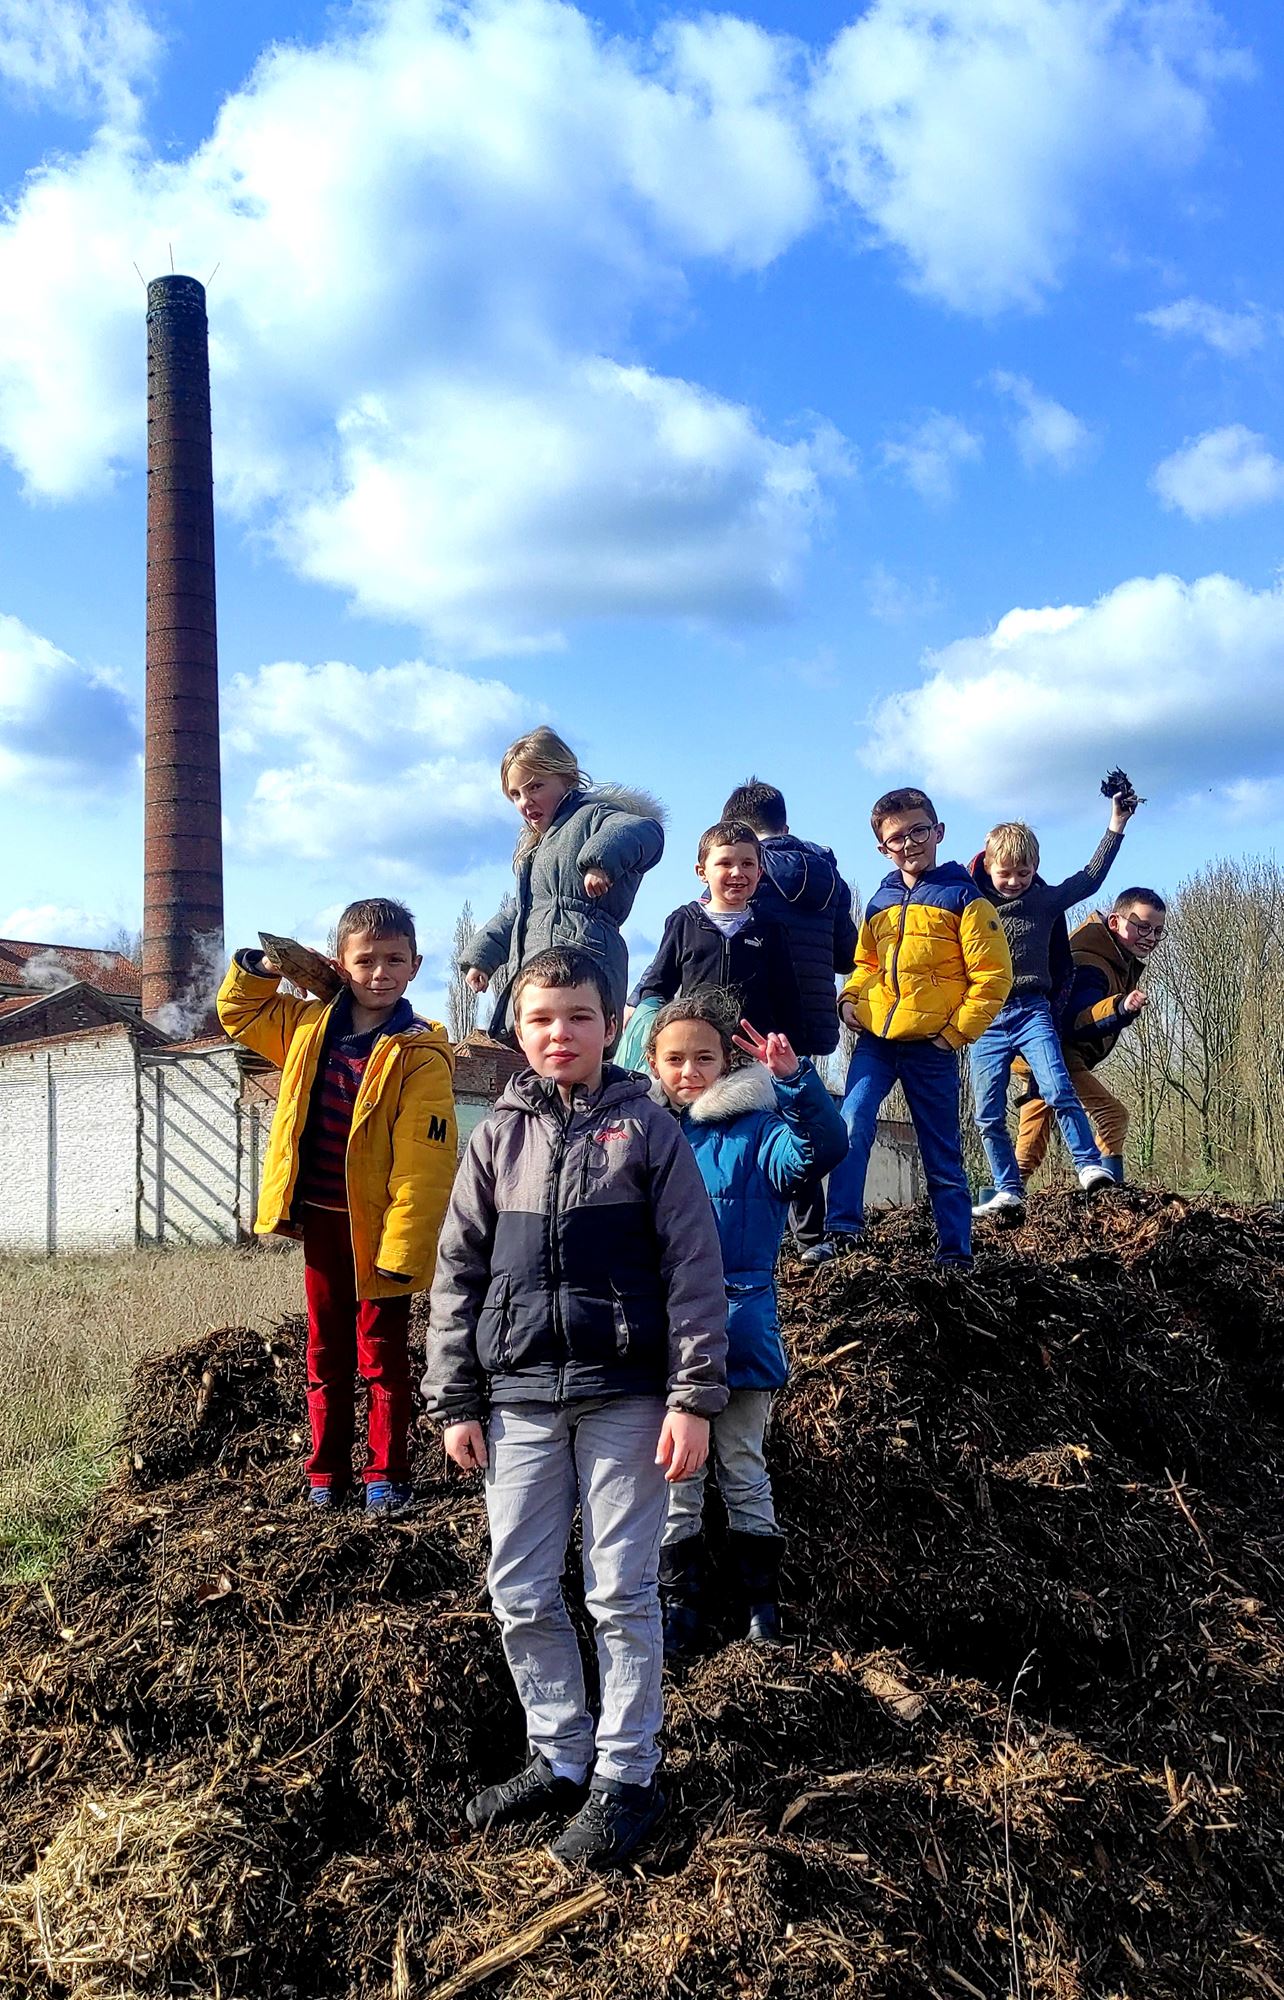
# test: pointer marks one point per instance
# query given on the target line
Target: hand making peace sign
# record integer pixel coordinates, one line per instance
(774, 1052)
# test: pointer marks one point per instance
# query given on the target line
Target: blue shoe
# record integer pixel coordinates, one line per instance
(388, 1496)
(327, 1499)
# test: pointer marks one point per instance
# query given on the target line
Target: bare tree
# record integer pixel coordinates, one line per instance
(461, 1001)
(126, 943)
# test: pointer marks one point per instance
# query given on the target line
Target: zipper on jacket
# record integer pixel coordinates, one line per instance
(554, 1252)
(896, 953)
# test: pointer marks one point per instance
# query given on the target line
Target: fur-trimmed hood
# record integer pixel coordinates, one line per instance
(627, 798)
(749, 1088)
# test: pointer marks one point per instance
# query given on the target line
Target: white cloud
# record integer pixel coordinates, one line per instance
(83, 56)
(60, 723)
(930, 456)
(59, 922)
(398, 765)
(490, 516)
(1181, 683)
(978, 136)
(433, 231)
(1046, 432)
(895, 600)
(1225, 471)
(1231, 333)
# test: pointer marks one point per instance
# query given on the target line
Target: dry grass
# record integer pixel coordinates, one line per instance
(70, 1334)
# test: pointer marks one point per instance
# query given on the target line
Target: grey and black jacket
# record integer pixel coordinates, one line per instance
(607, 827)
(579, 1258)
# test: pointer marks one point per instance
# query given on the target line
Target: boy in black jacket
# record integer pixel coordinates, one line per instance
(726, 942)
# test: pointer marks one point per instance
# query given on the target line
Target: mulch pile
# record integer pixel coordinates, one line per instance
(1026, 1739)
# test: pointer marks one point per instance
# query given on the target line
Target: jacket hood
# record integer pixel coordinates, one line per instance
(626, 798)
(528, 1092)
(805, 873)
(739, 1091)
(1095, 943)
(944, 872)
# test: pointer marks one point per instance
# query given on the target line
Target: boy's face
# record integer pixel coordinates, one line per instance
(536, 794)
(1139, 928)
(687, 1058)
(1010, 878)
(563, 1033)
(732, 872)
(911, 839)
(377, 969)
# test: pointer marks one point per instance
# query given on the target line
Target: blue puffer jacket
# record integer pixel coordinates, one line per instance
(802, 889)
(757, 1146)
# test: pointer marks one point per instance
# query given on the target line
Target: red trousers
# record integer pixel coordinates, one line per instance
(347, 1335)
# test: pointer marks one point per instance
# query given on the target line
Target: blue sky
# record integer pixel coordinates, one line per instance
(856, 395)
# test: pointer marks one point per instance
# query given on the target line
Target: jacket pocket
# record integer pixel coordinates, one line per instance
(637, 1322)
(494, 1326)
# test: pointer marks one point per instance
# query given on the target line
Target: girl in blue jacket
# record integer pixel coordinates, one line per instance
(762, 1130)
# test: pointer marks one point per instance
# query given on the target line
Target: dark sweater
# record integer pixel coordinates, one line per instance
(756, 963)
(1028, 919)
(323, 1154)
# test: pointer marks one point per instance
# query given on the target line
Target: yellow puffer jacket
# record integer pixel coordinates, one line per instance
(932, 960)
(401, 1154)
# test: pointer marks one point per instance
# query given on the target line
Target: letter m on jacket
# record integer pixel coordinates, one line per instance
(437, 1129)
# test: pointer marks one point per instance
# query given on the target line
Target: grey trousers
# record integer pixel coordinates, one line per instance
(542, 1460)
(738, 1460)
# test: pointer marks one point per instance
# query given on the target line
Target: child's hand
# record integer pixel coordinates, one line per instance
(1132, 1003)
(1122, 809)
(683, 1446)
(847, 1014)
(596, 881)
(772, 1051)
(477, 979)
(466, 1445)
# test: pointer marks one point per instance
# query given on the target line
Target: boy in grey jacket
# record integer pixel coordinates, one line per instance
(576, 1351)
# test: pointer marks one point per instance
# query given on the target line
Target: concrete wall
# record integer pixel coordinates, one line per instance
(69, 1144)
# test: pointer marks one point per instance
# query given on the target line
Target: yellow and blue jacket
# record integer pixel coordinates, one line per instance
(931, 960)
(401, 1153)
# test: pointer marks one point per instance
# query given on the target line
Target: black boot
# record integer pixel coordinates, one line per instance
(682, 1584)
(757, 1561)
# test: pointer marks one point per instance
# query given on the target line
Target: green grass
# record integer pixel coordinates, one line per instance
(70, 1334)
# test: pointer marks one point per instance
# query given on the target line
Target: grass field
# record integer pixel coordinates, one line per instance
(70, 1333)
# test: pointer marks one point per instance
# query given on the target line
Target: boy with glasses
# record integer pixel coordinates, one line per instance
(1110, 955)
(932, 971)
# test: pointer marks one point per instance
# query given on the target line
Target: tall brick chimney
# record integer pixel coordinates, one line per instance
(182, 835)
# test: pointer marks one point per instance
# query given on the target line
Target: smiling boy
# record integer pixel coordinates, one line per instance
(359, 1165)
(576, 1351)
(725, 941)
(932, 971)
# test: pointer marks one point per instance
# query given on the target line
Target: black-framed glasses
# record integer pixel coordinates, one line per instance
(913, 836)
(1154, 931)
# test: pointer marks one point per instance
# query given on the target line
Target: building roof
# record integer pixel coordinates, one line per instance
(105, 1031)
(109, 971)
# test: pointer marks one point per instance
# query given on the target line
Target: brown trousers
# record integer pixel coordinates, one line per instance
(1038, 1120)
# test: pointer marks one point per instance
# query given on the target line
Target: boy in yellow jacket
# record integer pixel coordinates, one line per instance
(932, 971)
(359, 1164)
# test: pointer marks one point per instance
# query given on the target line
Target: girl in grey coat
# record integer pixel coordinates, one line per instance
(579, 863)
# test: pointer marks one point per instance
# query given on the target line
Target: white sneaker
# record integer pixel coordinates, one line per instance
(1000, 1203)
(1093, 1177)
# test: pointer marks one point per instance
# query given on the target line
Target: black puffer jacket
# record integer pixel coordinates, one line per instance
(756, 963)
(802, 889)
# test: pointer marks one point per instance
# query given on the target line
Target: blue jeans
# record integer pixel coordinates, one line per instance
(930, 1079)
(1025, 1027)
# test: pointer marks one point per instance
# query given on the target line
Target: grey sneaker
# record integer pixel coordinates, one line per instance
(1000, 1203)
(609, 1827)
(534, 1793)
(1096, 1177)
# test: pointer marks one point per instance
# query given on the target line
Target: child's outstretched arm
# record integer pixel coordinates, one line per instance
(454, 1385)
(253, 1010)
(808, 1137)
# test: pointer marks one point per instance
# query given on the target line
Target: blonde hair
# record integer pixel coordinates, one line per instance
(1013, 841)
(543, 752)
